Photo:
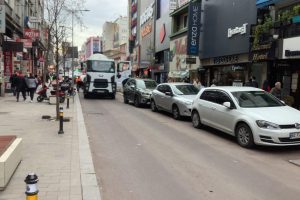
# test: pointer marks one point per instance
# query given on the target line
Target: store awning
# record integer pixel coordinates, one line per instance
(263, 3)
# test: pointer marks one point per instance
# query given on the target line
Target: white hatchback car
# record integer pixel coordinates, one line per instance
(250, 114)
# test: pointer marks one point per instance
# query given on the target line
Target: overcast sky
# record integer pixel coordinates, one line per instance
(100, 12)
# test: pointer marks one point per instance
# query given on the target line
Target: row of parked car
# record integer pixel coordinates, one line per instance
(250, 114)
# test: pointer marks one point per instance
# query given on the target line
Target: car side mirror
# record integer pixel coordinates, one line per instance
(228, 105)
(168, 93)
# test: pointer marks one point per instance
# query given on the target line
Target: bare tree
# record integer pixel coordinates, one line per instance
(57, 14)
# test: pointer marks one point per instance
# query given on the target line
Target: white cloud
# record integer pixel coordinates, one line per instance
(100, 12)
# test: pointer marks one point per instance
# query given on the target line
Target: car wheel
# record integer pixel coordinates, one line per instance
(137, 101)
(153, 106)
(125, 99)
(196, 120)
(113, 96)
(175, 112)
(244, 135)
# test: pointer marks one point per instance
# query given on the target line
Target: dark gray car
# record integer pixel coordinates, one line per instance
(138, 91)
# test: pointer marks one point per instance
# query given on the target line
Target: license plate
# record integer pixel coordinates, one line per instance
(100, 91)
(295, 135)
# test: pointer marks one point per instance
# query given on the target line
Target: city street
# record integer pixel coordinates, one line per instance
(141, 155)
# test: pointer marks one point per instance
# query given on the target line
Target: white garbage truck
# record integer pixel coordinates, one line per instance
(100, 76)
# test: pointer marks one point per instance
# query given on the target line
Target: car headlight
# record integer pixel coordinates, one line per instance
(267, 125)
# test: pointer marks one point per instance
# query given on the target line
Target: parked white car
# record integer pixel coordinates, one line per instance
(252, 115)
(176, 98)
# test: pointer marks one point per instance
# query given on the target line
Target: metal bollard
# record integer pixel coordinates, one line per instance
(61, 120)
(31, 186)
(68, 102)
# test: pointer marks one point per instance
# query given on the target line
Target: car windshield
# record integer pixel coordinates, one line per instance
(185, 90)
(254, 99)
(100, 66)
(146, 84)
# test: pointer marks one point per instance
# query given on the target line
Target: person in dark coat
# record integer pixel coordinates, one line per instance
(266, 86)
(12, 80)
(254, 82)
(21, 86)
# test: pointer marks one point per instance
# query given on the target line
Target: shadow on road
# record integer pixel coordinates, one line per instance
(266, 149)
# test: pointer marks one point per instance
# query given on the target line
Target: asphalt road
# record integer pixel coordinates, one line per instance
(141, 155)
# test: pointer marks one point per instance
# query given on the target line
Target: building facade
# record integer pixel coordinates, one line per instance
(224, 42)
(146, 37)
(162, 41)
(275, 45)
(92, 45)
(184, 65)
(23, 38)
(134, 46)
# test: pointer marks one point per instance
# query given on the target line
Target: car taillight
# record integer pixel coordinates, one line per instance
(112, 79)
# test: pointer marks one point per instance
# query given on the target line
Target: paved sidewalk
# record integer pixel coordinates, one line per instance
(63, 164)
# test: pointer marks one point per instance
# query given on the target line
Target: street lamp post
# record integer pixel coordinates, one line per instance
(72, 62)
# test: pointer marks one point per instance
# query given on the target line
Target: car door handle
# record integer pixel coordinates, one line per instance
(213, 108)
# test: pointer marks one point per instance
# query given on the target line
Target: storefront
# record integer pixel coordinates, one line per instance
(227, 70)
(287, 70)
(182, 66)
(224, 46)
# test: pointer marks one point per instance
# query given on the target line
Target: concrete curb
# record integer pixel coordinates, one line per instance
(89, 185)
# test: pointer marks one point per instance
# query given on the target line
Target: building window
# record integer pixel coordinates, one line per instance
(181, 22)
(158, 8)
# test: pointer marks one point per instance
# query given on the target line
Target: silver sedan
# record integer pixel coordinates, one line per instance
(176, 98)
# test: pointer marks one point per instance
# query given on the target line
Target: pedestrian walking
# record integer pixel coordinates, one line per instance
(254, 82)
(249, 83)
(214, 83)
(31, 83)
(12, 81)
(20, 86)
(266, 86)
(197, 83)
(276, 91)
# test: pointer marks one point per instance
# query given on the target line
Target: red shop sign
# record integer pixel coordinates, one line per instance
(31, 33)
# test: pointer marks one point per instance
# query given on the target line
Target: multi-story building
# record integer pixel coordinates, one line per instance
(109, 29)
(147, 36)
(184, 58)
(134, 47)
(224, 43)
(121, 51)
(92, 45)
(275, 45)
(22, 40)
(162, 40)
